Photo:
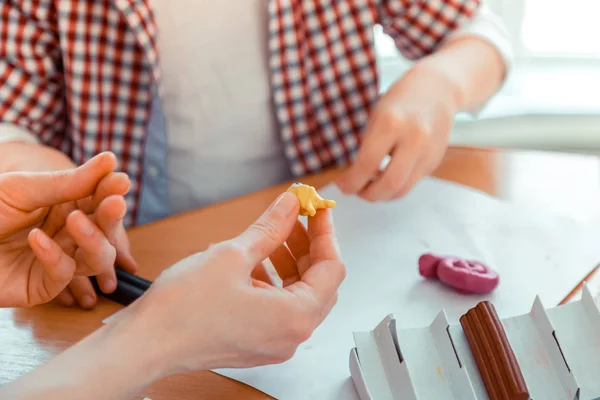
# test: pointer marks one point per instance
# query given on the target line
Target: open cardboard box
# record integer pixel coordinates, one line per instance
(558, 351)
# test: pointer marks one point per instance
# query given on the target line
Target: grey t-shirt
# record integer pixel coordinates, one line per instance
(215, 117)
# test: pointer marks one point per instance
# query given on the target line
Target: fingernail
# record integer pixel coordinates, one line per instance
(285, 204)
(66, 300)
(106, 155)
(85, 226)
(97, 159)
(69, 301)
(87, 301)
(43, 240)
(133, 264)
(109, 285)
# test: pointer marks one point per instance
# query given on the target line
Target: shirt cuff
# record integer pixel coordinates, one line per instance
(490, 27)
(14, 133)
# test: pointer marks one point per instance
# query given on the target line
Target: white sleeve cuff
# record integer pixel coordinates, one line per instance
(490, 27)
(14, 133)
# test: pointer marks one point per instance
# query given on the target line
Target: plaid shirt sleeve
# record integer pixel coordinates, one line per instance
(419, 26)
(31, 79)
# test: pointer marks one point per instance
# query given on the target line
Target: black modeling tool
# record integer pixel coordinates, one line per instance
(129, 287)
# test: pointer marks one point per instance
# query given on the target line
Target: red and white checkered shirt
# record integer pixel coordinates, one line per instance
(80, 74)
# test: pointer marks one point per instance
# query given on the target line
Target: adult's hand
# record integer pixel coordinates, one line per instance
(44, 241)
(212, 310)
(208, 311)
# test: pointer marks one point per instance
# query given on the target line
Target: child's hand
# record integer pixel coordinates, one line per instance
(46, 243)
(411, 123)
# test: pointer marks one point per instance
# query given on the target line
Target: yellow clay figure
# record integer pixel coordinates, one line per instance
(309, 199)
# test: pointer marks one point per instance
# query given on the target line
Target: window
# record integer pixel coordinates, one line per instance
(559, 27)
(384, 45)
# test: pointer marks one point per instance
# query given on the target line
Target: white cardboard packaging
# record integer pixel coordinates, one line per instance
(558, 351)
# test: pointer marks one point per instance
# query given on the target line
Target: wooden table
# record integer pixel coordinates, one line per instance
(29, 337)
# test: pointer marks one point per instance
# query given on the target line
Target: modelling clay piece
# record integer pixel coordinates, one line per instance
(428, 264)
(465, 276)
(493, 354)
(309, 199)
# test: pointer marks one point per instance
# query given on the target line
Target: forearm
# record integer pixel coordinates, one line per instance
(112, 363)
(27, 156)
(473, 69)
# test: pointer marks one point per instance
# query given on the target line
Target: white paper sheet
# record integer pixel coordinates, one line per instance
(381, 243)
(111, 317)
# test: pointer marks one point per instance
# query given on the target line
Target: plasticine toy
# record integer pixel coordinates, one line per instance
(310, 200)
(466, 276)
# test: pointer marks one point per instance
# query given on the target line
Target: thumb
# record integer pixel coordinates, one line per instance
(269, 231)
(29, 191)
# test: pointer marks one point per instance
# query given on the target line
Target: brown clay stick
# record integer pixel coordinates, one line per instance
(516, 381)
(481, 323)
(475, 343)
(473, 340)
(495, 359)
(498, 354)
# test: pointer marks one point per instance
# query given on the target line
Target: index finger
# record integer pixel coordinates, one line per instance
(327, 271)
(115, 183)
(322, 238)
(373, 151)
(323, 280)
